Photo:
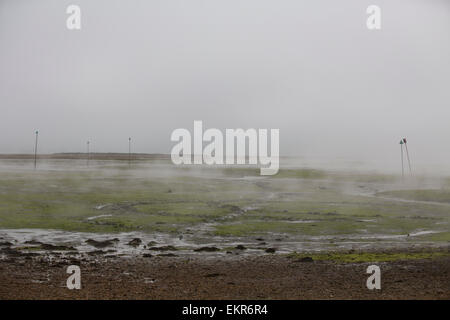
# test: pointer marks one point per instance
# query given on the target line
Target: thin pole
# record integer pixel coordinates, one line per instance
(129, 151)
(87, 162)
(407, 156)
(403, 171)
(35, 149)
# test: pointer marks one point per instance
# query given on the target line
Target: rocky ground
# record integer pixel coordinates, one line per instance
(270, 276)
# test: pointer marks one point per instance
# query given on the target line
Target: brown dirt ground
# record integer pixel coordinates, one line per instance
(253, 277)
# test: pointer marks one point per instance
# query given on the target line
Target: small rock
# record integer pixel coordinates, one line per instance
(95, 252)
(212, 275)
(271, 250)
(163, 248)
(305, 259)
(207, 249)
(135, 242)
(46, 246)
(101, 244)
(33, 242)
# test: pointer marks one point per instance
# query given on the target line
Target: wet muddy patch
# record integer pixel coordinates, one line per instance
(21, 243)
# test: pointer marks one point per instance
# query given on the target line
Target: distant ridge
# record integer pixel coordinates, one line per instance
(92, 156)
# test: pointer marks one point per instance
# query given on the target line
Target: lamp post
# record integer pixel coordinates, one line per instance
(401, 155)
(87, 147)
(129, 151)
(35, 148)
(407, 156)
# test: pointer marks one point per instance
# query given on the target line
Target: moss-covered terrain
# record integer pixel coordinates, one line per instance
(112, 196)
(367, 257)
(435, 195)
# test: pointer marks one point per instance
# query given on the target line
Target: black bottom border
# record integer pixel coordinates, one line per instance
(225, 309)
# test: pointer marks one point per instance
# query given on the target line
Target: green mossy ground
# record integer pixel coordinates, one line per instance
(372, 257)
(233, 201)
(440, 195)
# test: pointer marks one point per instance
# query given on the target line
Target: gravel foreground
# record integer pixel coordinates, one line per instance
(226, 277)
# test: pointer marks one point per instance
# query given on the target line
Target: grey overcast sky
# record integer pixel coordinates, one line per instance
(310, 68)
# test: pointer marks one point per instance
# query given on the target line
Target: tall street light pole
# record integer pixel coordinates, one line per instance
(87, 151)
(35, 148)
(129, 151)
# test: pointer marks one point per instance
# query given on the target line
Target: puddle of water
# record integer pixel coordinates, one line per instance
(100, 207)
(420, 233)
(100, 216)
(78, 239)
(398, 236)
(302, 221)
(185, 245)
